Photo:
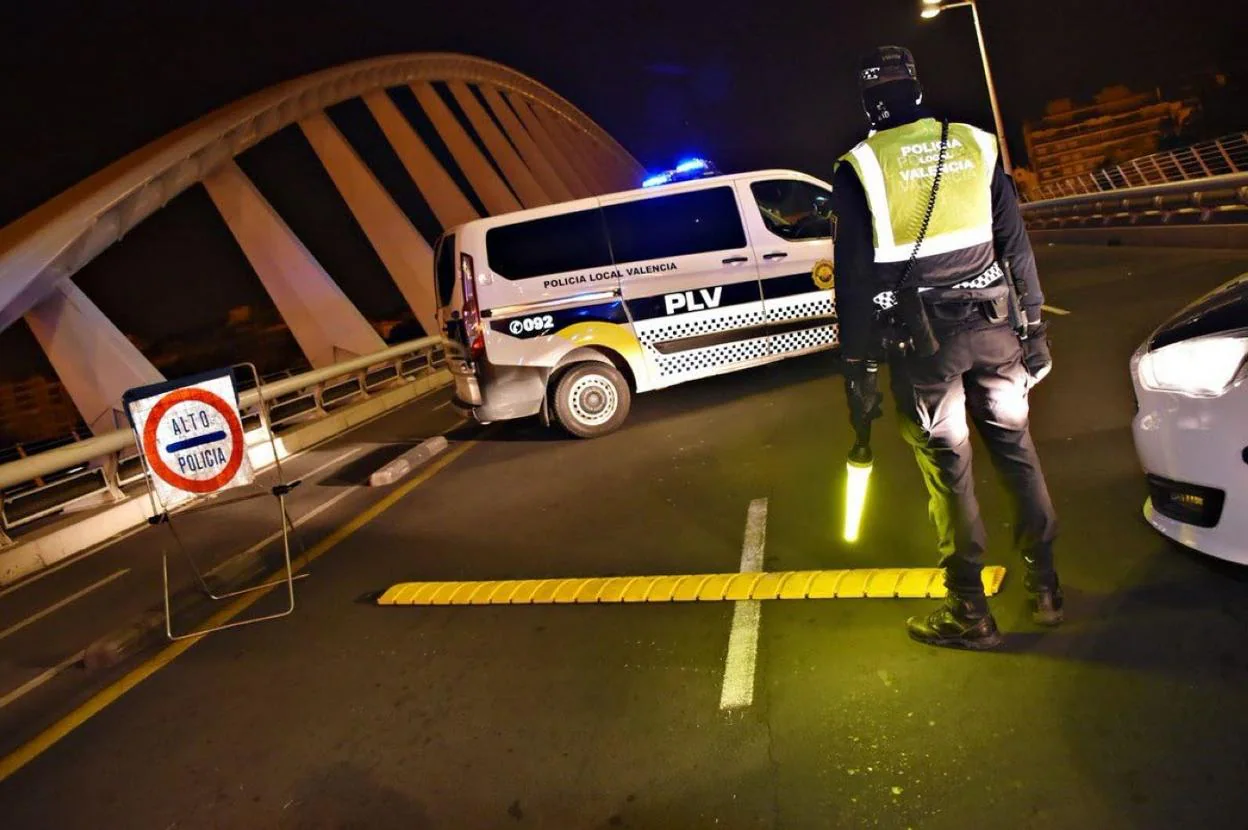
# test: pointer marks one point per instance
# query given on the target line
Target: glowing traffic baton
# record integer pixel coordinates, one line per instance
(858, 471)
(858, 475)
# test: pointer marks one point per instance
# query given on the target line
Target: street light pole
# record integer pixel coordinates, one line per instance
(935, 7)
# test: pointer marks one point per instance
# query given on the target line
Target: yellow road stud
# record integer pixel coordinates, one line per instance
(524, 592)
(768, 586)
(639, 589)
(545, 592)
(616, 585)
(465, 592)
(741, 586)
(854, 583)
(917, 582)
(796, 584)
(590, 590)
(443, 595)
(566, 591)
(689, 589)
(663, 589)
(824, 585)
(713, 589)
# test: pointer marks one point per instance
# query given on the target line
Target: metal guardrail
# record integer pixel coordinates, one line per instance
(1213, 200)
(36, 485)
(1208, 159)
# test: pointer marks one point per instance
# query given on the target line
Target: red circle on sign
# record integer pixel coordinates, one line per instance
(152, 450)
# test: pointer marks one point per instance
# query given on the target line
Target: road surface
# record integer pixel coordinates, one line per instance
(350, 715)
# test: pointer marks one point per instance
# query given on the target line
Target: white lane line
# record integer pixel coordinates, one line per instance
(343, 457)
(306, 517)
(74, 560)
(1052, 309)
(37, 681)
(738, 690)
(30, 685)
(13, 629)
(442, 405)
(277, 534)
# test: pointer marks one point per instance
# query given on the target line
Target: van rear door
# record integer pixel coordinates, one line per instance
(688, 277)
(788, 219)
(448, 294)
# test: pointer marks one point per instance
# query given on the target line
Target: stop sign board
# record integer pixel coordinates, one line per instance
(191, 436)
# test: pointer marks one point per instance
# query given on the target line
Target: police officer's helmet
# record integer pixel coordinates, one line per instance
(888, 80)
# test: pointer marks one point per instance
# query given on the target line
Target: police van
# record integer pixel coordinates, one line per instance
(565, 311)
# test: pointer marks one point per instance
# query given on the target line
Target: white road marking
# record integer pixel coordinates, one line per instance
(277, 534)
(13, 629)
(738, 690)
(74, 560)
(37, 681)
(1052, 309)
(442, 405)
(331, 463)
(311, 514)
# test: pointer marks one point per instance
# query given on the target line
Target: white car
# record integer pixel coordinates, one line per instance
(1191, 423)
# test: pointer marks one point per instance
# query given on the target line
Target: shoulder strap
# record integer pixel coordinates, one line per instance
(904, 282)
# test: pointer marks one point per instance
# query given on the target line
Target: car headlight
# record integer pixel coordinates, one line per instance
(1203, 367)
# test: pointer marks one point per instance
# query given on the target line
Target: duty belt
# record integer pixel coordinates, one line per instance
(887, 299)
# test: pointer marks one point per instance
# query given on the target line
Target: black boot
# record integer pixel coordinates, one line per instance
(959, 623)
(1046, 605)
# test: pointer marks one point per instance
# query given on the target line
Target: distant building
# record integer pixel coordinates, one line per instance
(35, 409)
(1072, 140)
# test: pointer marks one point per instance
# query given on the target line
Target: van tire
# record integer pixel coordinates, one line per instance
(591, 399)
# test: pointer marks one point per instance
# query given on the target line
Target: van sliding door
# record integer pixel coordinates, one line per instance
(689, 280)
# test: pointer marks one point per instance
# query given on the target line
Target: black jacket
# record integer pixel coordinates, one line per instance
(857, 280)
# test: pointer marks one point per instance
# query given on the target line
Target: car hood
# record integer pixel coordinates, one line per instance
(1223, 309)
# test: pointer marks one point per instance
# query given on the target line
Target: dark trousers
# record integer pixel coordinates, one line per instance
(980, 371)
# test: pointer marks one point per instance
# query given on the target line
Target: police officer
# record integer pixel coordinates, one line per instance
(932, 258)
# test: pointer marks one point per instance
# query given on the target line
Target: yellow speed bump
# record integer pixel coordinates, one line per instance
(853, 583)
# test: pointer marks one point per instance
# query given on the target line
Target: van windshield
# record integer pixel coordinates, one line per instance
(444, 269)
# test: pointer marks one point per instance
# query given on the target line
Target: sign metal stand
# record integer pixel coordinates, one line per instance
(212, 426)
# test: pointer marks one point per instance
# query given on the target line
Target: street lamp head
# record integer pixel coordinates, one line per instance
(932, 2)
(929, 12)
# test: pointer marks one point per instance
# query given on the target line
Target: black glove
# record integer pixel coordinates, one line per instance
(1037, 359)
(862, 391)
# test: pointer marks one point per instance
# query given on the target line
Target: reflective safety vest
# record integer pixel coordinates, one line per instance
(896, 168)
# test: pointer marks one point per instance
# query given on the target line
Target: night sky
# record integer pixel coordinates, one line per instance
(759, 84)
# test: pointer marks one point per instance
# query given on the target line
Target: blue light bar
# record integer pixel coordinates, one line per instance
(690, 168)
(689, 165)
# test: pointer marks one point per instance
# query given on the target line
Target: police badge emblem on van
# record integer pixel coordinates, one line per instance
(822, 274)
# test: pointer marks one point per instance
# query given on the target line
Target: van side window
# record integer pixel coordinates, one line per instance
(551, 245)
(662, 227)
(444, 268)
(794, 209)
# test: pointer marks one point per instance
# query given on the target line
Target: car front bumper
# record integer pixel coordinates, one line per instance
(1195, 453)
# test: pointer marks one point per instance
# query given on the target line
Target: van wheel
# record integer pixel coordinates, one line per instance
(592, 399)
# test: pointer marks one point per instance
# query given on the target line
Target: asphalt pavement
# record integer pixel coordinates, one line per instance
(346, 714)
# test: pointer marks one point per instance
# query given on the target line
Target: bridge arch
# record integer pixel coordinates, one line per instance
(538, 148)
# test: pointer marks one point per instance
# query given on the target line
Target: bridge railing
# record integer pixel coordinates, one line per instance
(41, 480)
(1223, 156)
(1214, 200)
